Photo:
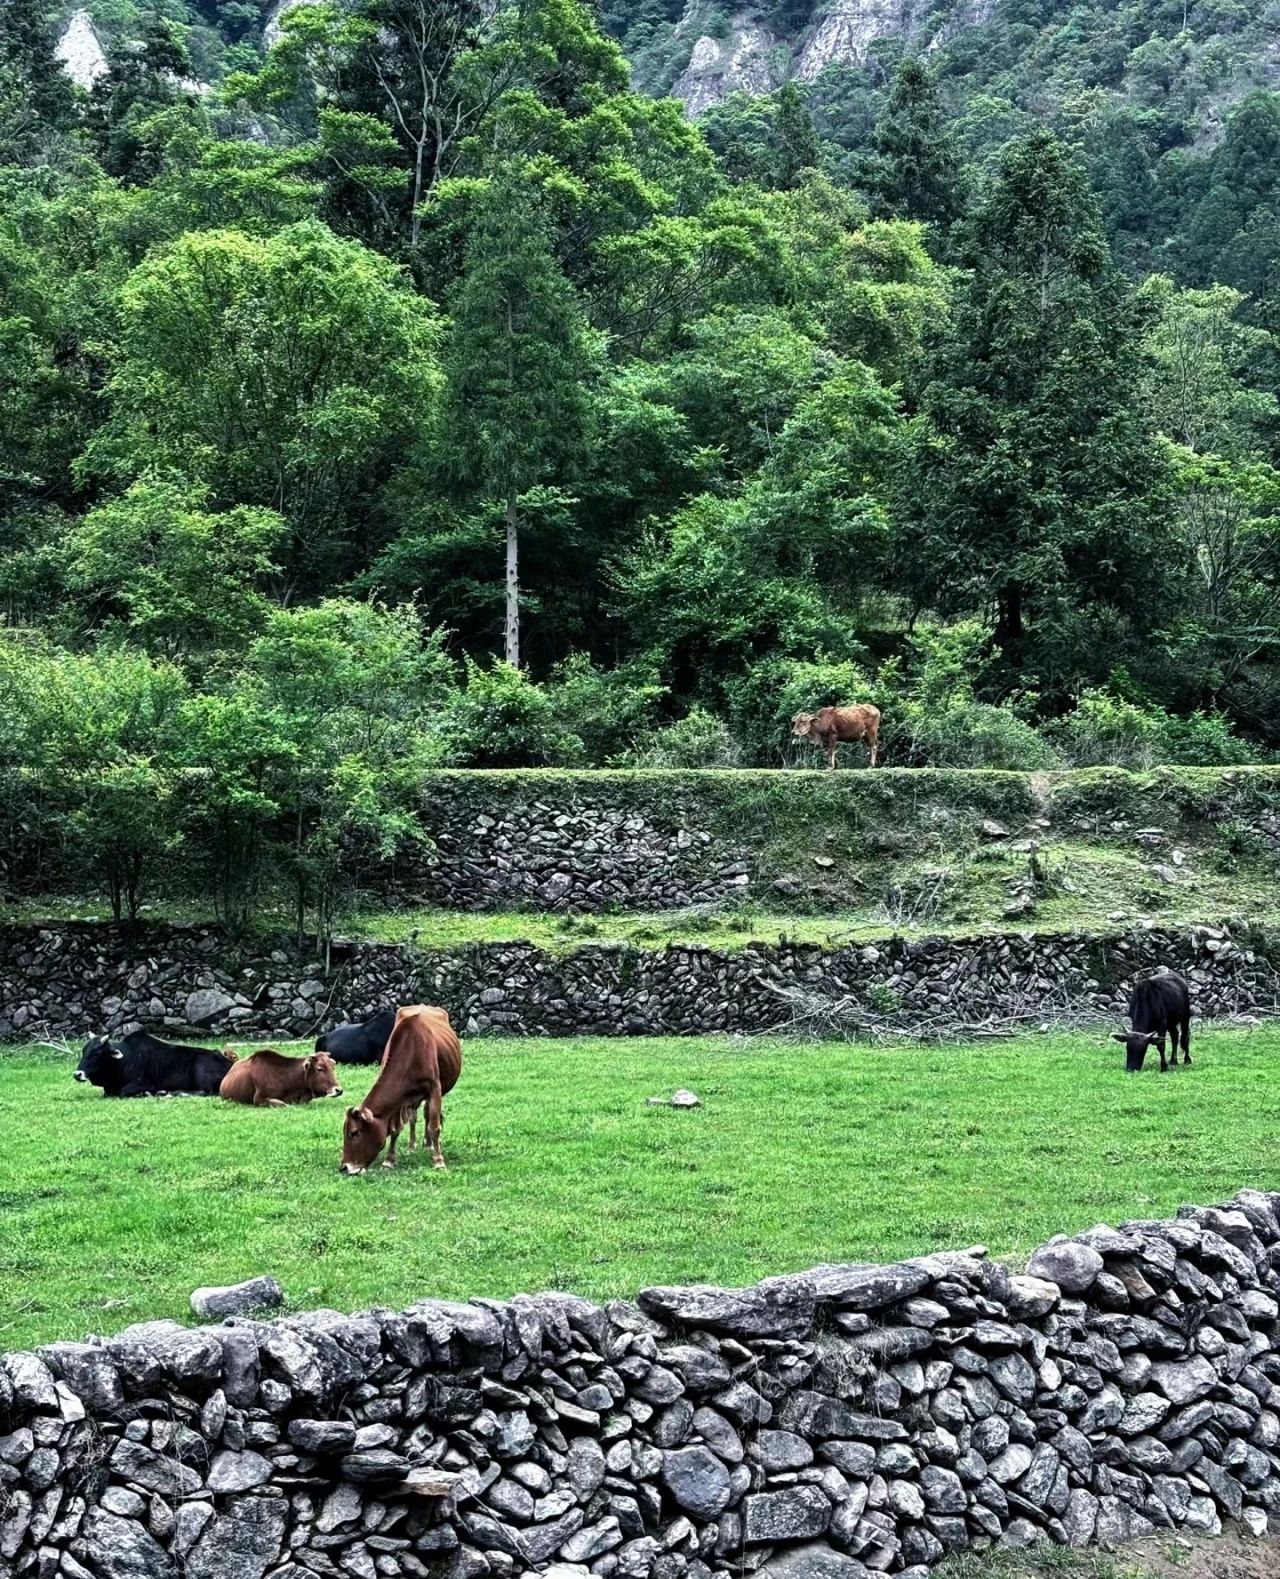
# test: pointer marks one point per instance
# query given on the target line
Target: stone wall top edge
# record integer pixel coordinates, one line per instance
(792, 1305)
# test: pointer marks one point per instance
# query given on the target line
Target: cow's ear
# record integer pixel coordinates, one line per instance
(1120, 1037)
(353, 1116)
(308, 1064)
(366, 1115)
(116, 1053)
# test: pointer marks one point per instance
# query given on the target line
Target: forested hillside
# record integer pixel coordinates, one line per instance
(418, 391)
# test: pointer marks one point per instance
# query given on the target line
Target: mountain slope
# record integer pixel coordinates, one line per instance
(1183, 66)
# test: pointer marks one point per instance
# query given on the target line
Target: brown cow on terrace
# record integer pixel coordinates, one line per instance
(830, 725)
(269, 1079)
(422, 1062)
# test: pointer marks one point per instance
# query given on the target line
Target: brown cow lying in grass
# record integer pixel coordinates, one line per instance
(269, 1079)
(422, 1062)
(830, 725)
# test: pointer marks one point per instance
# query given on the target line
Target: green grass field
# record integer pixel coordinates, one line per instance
(561, 1176)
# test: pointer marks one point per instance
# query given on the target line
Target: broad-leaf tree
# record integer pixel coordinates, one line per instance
(293, 374)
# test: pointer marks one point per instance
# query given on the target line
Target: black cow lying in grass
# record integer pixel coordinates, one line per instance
(358, 1044)
(1158, 1007)
(139, 1065)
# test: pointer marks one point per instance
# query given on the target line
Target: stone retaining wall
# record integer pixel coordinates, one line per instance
(62, 981)
(652, 841)
(831, 1424)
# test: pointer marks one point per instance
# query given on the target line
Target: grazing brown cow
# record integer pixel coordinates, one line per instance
(422, 1062)
(830, 725)
(269, 1079)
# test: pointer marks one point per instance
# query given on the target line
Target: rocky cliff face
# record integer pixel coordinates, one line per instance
(747, 61)
(843, 35)
(752, 59)
(80, 51)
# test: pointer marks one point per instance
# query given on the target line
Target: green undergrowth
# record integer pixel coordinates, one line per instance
(562, 1176)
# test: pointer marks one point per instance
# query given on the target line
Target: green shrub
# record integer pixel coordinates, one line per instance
(1207, 740)
(609, 710)
(505, 720)
(973, 735)
(698, 740)
(1109, 730)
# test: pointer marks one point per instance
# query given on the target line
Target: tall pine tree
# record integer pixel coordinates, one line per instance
(915, 172)
(798, 146)
(1036, 479)
(518, 364)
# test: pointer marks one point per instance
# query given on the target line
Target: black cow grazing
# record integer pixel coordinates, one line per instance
(358, 1044)
(1157, 1007)
(139, 1065)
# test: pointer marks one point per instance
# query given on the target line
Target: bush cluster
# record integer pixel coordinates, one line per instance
(300, 767)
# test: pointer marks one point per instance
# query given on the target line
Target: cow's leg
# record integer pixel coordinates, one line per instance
(261, 1101)
(831, 752)
(434, 1121)
(389, 1161)
(1186, 1041)
(135, 1088)
(1164, 1067)
(413, 1129)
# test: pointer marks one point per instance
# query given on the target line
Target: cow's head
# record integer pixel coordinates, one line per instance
(321, 1075)
(1135, 1044)
(100, 1063)
(363, 1137)
(802, 726)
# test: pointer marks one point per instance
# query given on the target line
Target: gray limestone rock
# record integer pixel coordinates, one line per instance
(238, 1299)
(1072, 1266)
(697, 1481)
(795, 1514)
(241, 1543)
(122, 1549)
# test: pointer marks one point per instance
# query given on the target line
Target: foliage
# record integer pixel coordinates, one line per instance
(1105, 728)
(503, 719)
(1034, 479)
(87, 758)
(950, 386)
(518, 360)
(286, 374)
(914, 170)
(698, 740)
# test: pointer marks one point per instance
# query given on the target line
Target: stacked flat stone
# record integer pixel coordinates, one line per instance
(574, 855)
(61, 981)
(834, 1424)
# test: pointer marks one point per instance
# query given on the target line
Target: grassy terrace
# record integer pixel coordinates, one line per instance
(561, 1176)
(1084, 887)
(851, 856)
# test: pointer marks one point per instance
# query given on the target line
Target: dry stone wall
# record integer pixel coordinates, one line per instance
(61, 981)
(599, 841)
(833, 1424)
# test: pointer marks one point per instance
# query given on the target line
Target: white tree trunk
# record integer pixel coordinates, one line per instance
(513, 584)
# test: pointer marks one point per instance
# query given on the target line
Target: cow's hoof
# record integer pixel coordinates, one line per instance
(390, 1165)
(439, 1167)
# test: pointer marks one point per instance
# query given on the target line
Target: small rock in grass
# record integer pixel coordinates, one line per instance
(238, 1298)
(679, 1098)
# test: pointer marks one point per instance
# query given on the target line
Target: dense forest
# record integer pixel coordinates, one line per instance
(418, 392)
